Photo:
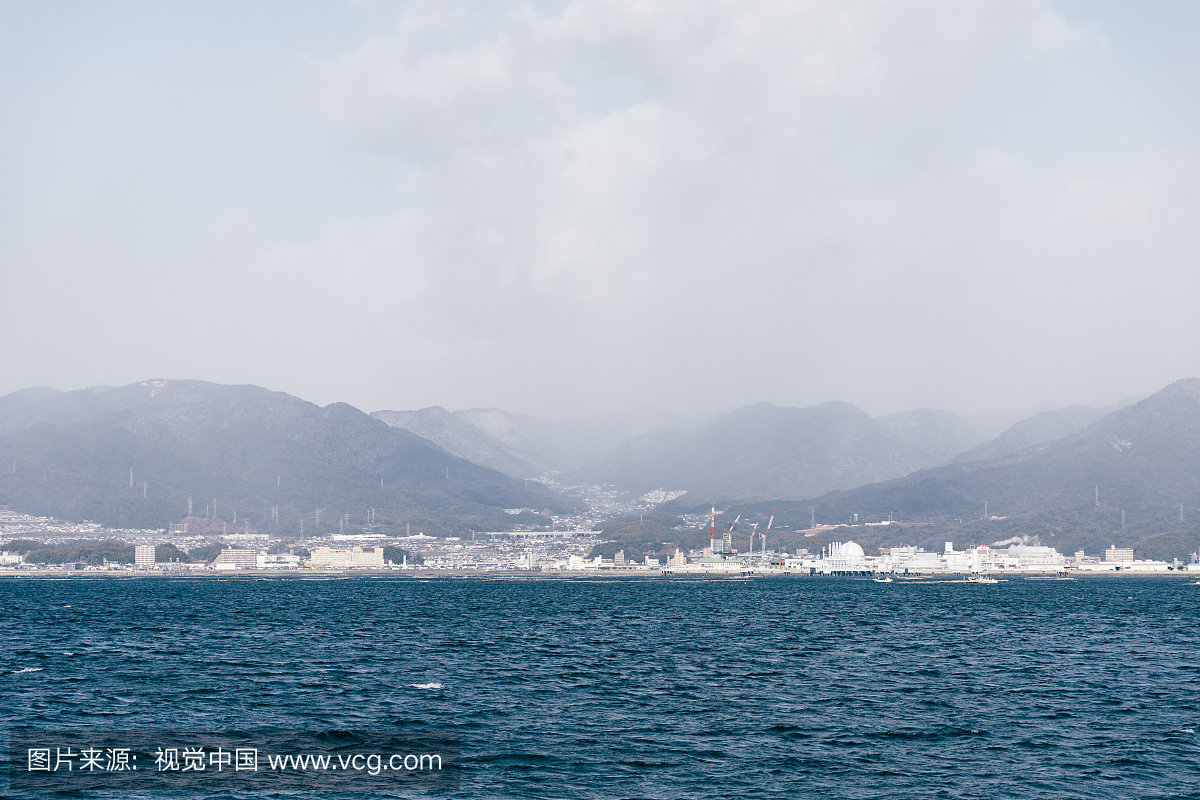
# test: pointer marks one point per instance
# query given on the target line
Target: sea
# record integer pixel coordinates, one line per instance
(761, 688)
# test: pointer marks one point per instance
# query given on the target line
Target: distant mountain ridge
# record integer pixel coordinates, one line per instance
(193, 438)
(458, 436)
(524, 446)
(252, 449)
(1122, 478)
(766, 450)
(1040, 429)
(756, 451)
(943, 435)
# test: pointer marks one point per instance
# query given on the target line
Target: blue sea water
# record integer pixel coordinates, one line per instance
(653, 689)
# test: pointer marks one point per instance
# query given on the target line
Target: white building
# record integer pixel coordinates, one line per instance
(328, 558)
(1030, 557)
(143, 555)
(1115, 553)
(278, 561)
(237, 559)
(845, 557)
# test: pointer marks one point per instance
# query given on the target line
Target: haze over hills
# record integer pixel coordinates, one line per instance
(250, 448)
(525, 446)
(457, 436)
(766, 451)
(73, 451)
(1143, 460)
(942, 435)
(757, 451)
(1037, 430)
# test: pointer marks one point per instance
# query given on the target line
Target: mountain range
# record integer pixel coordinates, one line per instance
(526, 447)
(758, 451)
(267, 457)
(1131, 477)
(278, 462)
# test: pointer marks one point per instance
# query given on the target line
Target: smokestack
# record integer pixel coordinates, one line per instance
(712, 531)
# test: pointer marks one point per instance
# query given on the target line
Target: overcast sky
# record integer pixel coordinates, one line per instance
(567, 208)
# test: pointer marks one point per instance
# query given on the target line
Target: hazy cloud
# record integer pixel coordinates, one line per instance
(582, 206)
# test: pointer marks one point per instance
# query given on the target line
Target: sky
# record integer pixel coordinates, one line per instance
(567, 208)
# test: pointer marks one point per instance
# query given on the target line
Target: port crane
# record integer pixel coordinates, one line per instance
(762, 548)
(727, 543)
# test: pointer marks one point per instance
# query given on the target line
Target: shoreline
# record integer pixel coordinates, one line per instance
(562, 576)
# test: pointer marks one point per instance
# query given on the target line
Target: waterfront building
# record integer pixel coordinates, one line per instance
(1032, 557)
(237, 559)
(845, 557)
(327, 557)
(279, 561)
(1115, 553)
(143, 556)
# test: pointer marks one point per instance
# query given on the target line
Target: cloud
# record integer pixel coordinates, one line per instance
(628, 193)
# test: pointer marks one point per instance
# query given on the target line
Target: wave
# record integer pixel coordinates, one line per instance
(27, 669)
(426, 685)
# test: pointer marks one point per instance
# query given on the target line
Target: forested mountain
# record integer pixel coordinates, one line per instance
(245, 447)
(1122, 479)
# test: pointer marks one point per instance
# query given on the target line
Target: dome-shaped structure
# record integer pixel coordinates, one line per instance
(846, 557)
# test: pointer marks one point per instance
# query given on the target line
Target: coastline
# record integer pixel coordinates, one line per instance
(564, 576)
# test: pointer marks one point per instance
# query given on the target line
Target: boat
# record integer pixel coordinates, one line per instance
(882, 580)
(981, 579)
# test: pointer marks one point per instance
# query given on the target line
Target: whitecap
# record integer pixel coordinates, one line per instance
(1188, 730)
(27, 669)
(426, 685)
(67, 653)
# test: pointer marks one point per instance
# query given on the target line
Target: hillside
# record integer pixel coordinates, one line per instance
(762, 451)
(1143, 460)
(249, 448)
(459, 437)
(524, 446)
(780, 453)
(1038, 430)
(942, 435)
